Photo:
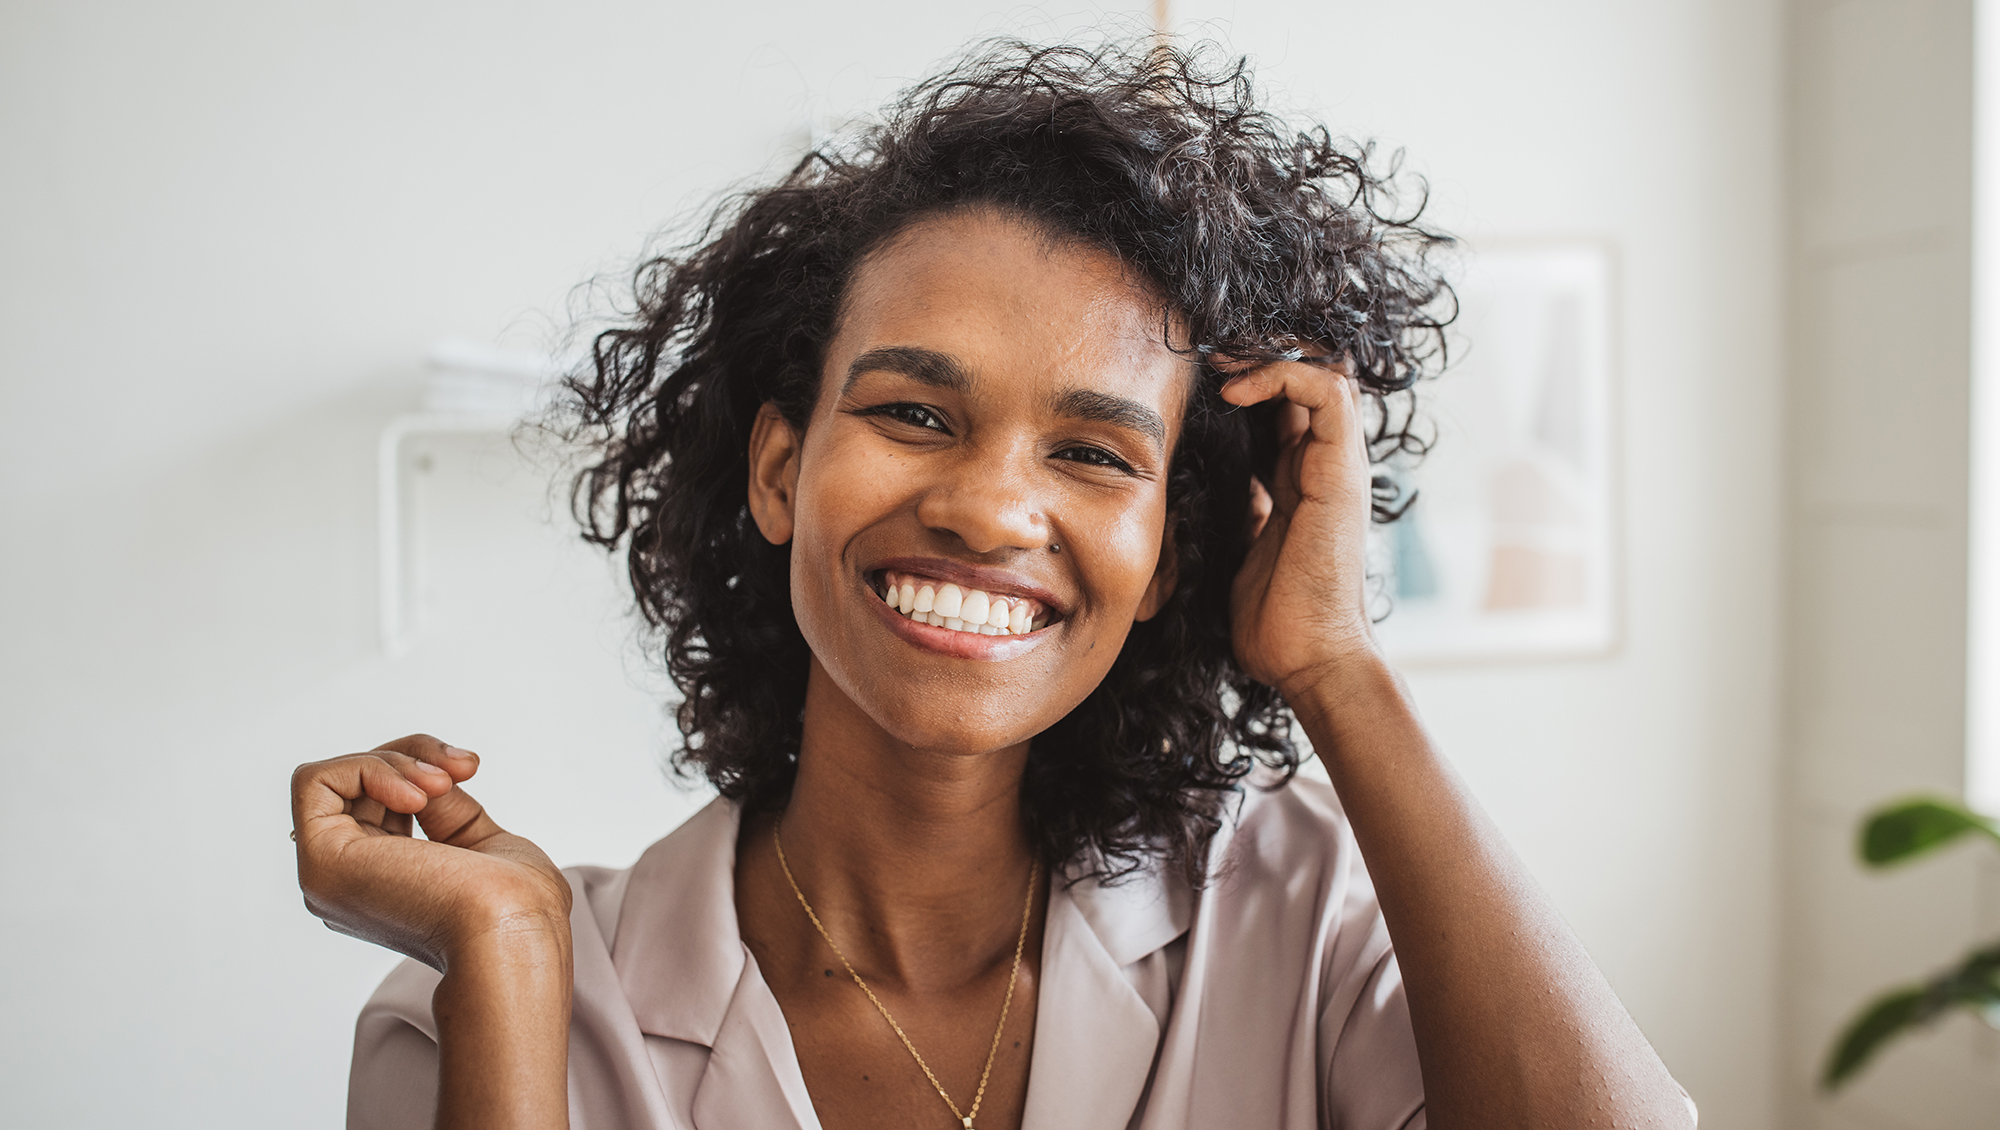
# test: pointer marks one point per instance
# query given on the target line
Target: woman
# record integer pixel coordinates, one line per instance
(1000, 489)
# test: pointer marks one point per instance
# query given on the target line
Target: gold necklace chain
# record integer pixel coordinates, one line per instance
(1020, 945)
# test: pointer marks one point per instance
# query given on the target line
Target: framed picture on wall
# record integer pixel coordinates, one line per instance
(1509, 550)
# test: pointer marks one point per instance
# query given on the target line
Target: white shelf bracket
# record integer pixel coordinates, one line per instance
(397, 619)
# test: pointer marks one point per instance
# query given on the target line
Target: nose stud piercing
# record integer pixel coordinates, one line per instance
(1054, 548)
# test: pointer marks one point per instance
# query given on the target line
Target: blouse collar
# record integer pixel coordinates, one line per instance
(680, 957)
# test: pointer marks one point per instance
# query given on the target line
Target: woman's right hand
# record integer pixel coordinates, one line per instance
(365, 874)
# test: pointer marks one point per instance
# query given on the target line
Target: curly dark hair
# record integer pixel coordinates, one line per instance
(1258, 236)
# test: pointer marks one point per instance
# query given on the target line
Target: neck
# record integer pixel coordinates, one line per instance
(915, 860)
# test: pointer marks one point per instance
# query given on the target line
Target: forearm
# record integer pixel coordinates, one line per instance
(1515, 1026)
(502, 1012)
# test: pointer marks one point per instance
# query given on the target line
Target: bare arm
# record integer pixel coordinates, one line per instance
(485, 908)
(503, 1032)
(1515, 1026)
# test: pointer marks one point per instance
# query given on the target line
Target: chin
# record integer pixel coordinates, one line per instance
(955, 735)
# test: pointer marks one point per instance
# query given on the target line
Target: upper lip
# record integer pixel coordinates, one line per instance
(981, 577)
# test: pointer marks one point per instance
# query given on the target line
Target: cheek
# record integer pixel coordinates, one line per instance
(836, 496)
(1126, 549)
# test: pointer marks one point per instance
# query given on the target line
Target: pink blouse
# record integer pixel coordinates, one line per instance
(1271, 998)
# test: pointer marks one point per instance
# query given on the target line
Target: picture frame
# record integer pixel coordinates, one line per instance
(1508, 550)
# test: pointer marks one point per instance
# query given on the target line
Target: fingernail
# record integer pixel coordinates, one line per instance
(460, 754)
(427, 767)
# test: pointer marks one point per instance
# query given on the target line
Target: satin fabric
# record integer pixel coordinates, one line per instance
(1269, 998)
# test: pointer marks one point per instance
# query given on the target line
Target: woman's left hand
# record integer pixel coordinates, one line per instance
(1298, 607)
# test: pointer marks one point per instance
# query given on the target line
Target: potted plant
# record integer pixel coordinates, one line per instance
(1893, 835)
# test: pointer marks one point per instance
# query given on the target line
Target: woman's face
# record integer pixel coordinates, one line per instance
(994, 423)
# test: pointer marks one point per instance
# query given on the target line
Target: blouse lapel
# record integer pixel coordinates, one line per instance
(753, 1080)
(1095, 1037)
(684, 969)
(681, 961)
(677, 947)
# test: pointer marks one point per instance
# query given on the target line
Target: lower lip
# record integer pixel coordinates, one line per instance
(960, 645)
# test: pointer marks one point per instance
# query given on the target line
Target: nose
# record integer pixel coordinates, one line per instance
(986, 501)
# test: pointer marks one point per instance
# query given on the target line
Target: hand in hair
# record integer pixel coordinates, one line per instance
(1297, 605)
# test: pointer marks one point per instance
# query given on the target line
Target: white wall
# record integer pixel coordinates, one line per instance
(1881, 268)
(1639, 787)
(228, 232)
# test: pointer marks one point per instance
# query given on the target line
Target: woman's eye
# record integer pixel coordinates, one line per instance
(1094, 456)
(915, 415)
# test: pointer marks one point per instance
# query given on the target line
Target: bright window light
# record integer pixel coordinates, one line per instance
(1982, 761)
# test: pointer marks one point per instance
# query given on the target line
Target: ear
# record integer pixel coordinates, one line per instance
(1166, 574)
(774, 474)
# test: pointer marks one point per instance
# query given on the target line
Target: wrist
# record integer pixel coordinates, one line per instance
(1331, 696)
(523, 922)
(503, 1016)
(510, 936)
(521, 968)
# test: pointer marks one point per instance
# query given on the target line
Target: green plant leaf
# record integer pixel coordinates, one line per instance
(1889, 1015)
(1912, 827)
(1974, 984)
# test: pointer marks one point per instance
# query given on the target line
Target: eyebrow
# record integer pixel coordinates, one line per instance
(1103, 408)
(942, 370)
(925, 366)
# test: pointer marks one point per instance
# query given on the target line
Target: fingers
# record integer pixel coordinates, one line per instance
(458, 764)
(1326, 393)
(456, 819)
(434, 780)
(452, 816)
(382, 790)
(1324, 407)
(1293, 423)
(1260, 508)
(324, 789)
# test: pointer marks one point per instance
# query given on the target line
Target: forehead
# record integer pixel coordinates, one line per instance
(1011, 301)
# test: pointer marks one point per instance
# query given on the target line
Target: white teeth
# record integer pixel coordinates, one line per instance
(950, 601)
(957, 609)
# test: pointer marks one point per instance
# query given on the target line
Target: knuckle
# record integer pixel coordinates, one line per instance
(314, 773)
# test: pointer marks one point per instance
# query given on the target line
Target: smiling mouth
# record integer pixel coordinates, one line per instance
(957, 608)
